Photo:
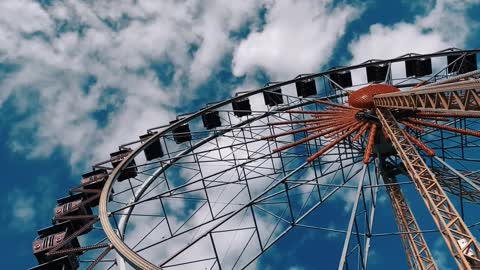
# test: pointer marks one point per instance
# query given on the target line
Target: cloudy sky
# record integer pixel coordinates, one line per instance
(80, 77)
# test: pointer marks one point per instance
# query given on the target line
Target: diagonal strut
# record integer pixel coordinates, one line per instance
(457, 235)
(418, 254)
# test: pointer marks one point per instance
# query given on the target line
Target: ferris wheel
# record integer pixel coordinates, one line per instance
(221, 187)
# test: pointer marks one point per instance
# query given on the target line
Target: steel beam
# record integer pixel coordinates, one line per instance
(373, 205)
(457, 173)
(460, 241)
(353, 215)
(418, 254)
(459, 97)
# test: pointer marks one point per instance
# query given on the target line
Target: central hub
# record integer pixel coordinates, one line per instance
(363, 97)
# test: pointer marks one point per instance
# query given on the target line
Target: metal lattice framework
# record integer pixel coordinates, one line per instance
(220, 187)
(448, 220)
(457, 98)
(418, 253)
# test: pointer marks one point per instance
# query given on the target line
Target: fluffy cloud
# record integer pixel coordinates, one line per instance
(439, 253)
(85, 69)
(392, 41)
(86, 77)
(444, 26)
(22, 210)
(298, 37)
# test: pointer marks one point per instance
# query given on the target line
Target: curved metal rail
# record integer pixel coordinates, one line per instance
(114, 236)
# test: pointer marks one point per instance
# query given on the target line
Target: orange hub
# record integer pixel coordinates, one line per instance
(363, 97)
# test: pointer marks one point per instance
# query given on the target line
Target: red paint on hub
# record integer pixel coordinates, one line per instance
(363, 97)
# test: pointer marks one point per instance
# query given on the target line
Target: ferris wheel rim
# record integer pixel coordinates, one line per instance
(128, 254)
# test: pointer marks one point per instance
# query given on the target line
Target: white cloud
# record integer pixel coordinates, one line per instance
(212, 32)
(117, 41)
(442, 27)
(298, 37)
(331, 234)
(22, 210)
(27, 16)
(439, 253)
(54, 66)
(383, 42)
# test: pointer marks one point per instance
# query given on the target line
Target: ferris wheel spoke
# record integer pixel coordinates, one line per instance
(457, 173)
(294, 224)
(352, 221)
(178, 233)
(245, 165)
(449, 154)
(284, 210)
(123, 191)
(296, 184)
(223, 221)
(177, 193)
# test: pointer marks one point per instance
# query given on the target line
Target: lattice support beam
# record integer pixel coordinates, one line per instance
(456, 234)
(459, 98)
(418, 254)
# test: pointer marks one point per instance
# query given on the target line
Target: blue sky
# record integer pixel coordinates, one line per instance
(79, 78)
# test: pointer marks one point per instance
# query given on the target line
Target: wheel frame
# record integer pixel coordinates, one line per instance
(123, 251)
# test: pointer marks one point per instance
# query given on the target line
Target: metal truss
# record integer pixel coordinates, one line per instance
(418, 253)
(458, 98)
(457, 235)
